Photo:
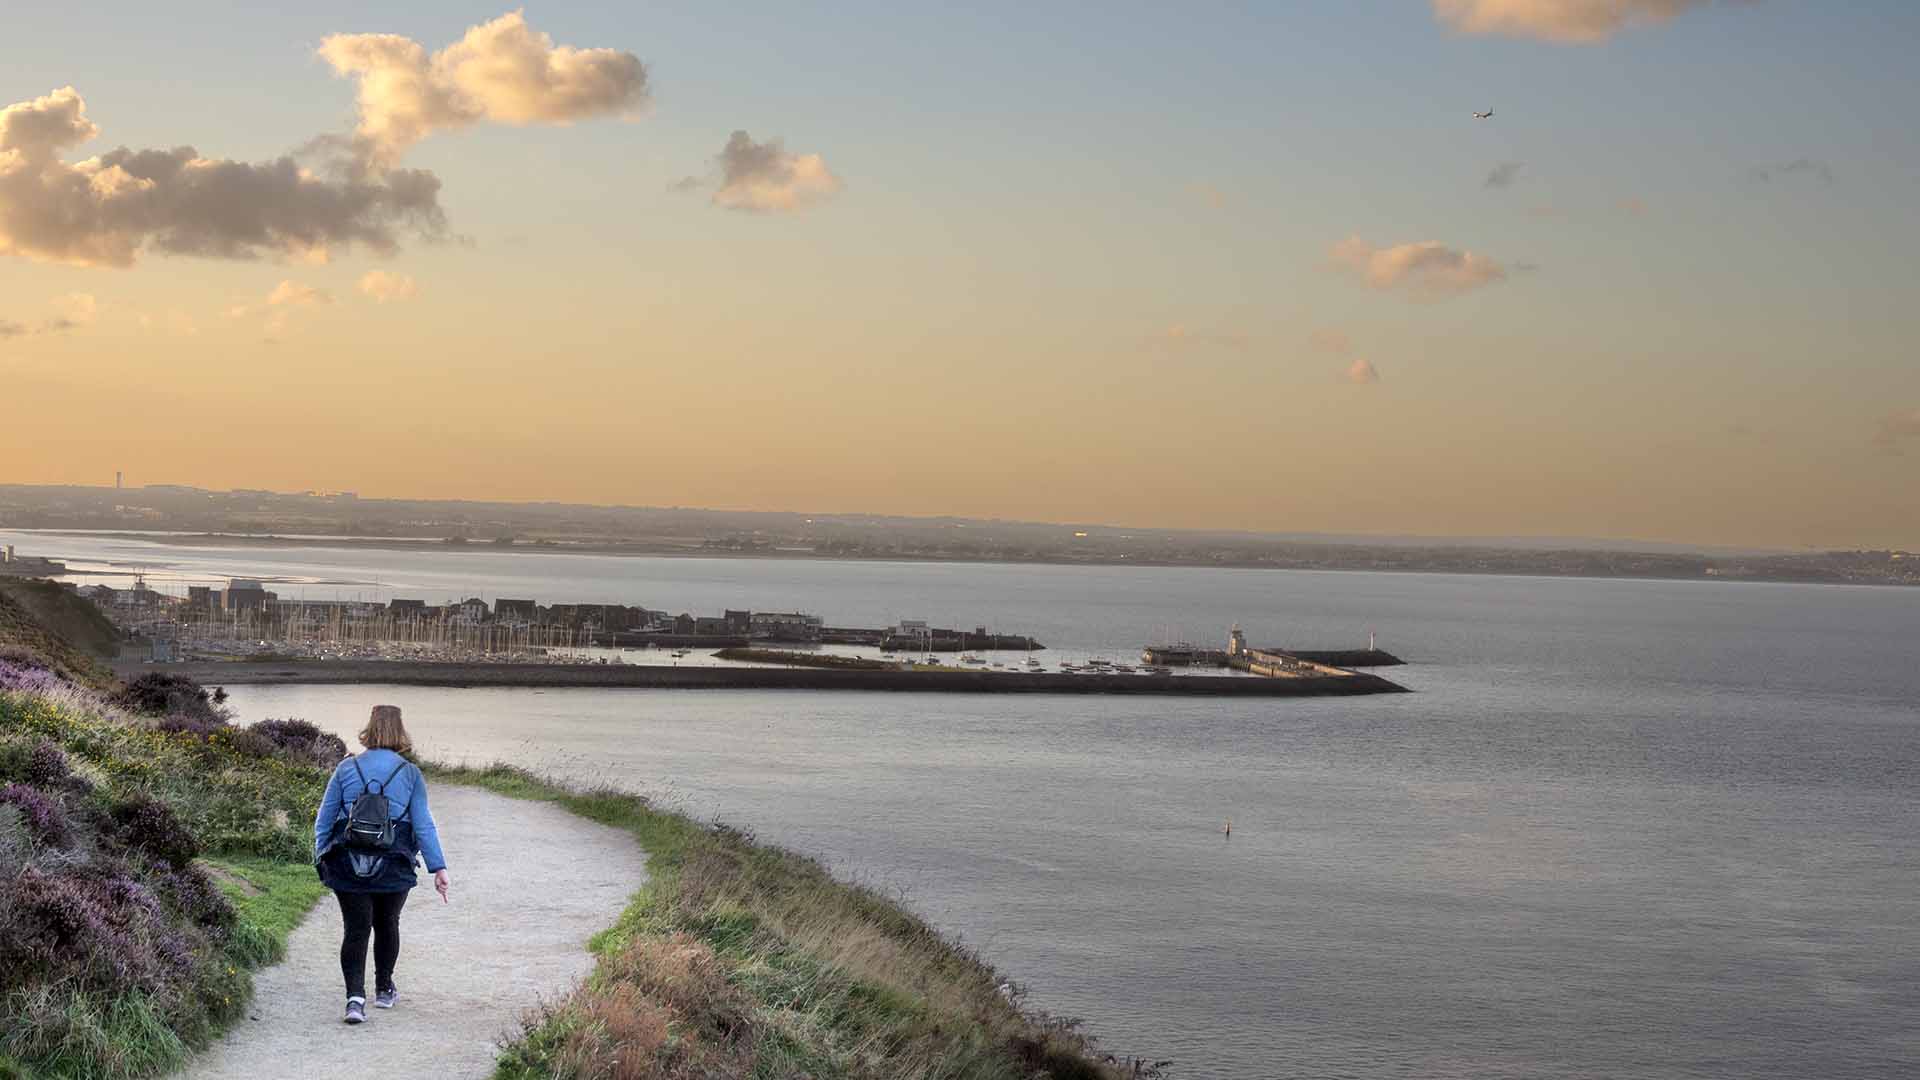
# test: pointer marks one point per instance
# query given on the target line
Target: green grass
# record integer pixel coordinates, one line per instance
(271, 897)
(741, 959)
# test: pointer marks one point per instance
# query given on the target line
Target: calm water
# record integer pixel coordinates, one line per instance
(1624, 829)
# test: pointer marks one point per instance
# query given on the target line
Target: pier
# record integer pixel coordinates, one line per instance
(1268, 661)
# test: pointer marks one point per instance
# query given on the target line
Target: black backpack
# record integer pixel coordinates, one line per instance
(370, 821)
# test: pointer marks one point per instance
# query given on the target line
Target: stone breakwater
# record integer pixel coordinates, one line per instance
(660, 677)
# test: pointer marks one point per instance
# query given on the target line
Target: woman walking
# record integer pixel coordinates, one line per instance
(373, 826)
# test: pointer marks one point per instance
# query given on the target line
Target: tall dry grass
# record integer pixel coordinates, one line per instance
(742, 959)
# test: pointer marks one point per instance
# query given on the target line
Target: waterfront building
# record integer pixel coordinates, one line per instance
(786, 626)
(244, 595)
(517, 610)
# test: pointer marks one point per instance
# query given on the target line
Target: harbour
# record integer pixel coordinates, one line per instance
(696, 677)
(241, 631)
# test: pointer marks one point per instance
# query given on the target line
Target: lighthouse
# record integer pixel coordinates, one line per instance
(1236, 641)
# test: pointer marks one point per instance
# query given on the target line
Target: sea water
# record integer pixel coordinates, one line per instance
(1622, 829)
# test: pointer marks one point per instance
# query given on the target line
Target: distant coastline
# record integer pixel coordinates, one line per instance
(1812, 569)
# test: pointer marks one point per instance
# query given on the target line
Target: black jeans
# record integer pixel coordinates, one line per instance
(378, 913)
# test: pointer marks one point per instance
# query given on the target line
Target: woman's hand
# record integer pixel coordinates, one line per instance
(440, 885)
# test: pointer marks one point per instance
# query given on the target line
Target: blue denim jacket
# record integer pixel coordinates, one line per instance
(408, 796)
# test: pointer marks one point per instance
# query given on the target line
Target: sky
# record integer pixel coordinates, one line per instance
(1250, 266)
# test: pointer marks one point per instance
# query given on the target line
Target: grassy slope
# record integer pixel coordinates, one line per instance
(55, 629)
(102, 994)
(741, 959)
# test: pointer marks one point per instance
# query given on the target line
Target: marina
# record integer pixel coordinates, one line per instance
(242, 631)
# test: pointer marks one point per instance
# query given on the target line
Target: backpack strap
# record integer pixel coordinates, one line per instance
(346, 804)
(404, 764)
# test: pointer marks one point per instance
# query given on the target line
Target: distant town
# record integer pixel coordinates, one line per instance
(246, 619)
(193, 515)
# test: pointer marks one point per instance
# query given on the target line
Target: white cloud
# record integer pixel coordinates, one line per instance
(104, 210)
(388, 288)
(287, 294)
(293, 293)
(1426, 268)
(501, 71)
(1361, 372)
(334, 194)
(765, 178)
(1567, 21)
(280, 304)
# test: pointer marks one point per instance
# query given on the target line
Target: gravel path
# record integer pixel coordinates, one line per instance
(531, 883)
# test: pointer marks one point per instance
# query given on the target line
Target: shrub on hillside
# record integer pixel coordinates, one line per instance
(197, 897)
(157, 694)
(303, 742)
(42, 813)
(82, 938)
(144, 823)
(46, 766)
(103, 933)
(18, 675)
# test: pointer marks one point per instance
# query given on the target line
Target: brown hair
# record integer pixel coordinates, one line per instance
(384, 731)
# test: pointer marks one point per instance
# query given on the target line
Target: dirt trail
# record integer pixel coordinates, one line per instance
(531, 883)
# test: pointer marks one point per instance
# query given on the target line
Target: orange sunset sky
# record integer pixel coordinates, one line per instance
(1208, 267)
